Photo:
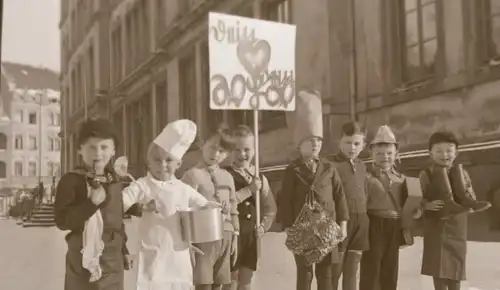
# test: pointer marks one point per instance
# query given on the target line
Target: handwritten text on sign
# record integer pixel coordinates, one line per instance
(252, 64)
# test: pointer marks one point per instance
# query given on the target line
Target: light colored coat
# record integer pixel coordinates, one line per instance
(164, 261)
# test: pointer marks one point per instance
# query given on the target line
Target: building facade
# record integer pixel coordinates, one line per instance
(85, 66)
(416, 65)
(31, 152)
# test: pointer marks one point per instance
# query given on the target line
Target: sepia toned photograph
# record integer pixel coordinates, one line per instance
(250, 145)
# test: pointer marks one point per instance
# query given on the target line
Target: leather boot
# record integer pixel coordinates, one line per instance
(337, 271)
(465, 197)
(351, 266)
(441, 184)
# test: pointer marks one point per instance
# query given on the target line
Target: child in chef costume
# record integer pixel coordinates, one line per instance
(164, 258)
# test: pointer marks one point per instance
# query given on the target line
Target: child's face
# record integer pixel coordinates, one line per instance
(244, 151)
(443, 154)
(96, 152)
(311, 147)
(351, 146)
(384, 155)
(213, 153)
(160, 164)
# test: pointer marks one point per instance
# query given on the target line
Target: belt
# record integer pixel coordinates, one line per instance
(386, 214)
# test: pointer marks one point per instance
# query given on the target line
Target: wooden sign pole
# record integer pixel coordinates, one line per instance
(257, 170)
(257, 15)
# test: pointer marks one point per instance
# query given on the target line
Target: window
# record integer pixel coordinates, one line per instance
(3, 141)
(160, 17)
(187, 85)
(32, 118)
(18, 168)
(55, 119)
(161, 105)
(32, 144)
(18, 142)
(118, 121)
(279, 11)
(213, 117)
(116, 50)
(488, 30)
(51, 141)
(19, 116)
(3, 170)
(184, 6)
(53, 169)
(32, 168)
(420, 42)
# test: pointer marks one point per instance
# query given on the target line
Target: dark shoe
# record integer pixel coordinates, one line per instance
(462, 192)
(452, 208)
(480, 206)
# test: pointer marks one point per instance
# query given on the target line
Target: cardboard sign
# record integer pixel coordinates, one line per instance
(413, 202)
(252, 64)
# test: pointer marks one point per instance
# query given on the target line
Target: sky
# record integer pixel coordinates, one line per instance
(31, 33)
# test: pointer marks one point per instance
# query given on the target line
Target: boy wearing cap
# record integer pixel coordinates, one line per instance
(164, 257)
(311, 174)
(448, 197)
(387, 193)
(89, 204)
(352, 173)
(213, 268)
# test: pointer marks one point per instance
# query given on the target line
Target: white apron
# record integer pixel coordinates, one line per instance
(164, 261)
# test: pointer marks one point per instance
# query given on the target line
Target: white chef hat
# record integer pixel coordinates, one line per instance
(307, 120)
(177, 137)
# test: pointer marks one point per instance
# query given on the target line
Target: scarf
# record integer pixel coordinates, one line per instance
(93, 244)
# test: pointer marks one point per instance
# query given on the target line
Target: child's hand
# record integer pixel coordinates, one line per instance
(192, 253)
(418, 213)
(234, 249)
(435, 205)
(213, 204)
(256, 185)
(150, 207)
(97, 196)
(226, 207)
(260, 231)
(128, 262)
(343, 231)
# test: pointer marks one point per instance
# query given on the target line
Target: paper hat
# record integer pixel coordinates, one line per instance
(384, 135)
(177, 137)
(307, 120)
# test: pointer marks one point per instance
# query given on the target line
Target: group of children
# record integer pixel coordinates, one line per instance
(366, 202)
(91, 201)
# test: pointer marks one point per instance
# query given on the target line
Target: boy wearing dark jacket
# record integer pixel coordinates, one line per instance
(311, 174)
(89, 204)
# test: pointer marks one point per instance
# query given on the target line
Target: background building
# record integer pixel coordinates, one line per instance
(31, 152)
(418, 66)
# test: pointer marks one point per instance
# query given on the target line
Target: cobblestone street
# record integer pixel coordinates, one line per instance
(33, 259)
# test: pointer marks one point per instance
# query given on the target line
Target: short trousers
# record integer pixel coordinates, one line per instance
(357, 233)
(214, 267)
(247, 252)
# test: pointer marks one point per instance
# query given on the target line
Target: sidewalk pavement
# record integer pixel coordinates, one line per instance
(33, 259)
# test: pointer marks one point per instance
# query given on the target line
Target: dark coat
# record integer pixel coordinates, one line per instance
(445, 241)
(72, 209)
(297, 183)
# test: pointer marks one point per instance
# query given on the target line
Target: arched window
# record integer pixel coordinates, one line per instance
(3, 170)
(3, 141)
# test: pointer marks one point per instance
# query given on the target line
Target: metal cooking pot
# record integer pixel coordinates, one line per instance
(202, 225)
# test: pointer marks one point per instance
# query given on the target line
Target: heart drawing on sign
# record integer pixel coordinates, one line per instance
(254, 56)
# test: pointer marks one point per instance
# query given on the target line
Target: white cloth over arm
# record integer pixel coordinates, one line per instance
(195, 198)
(137, 191)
